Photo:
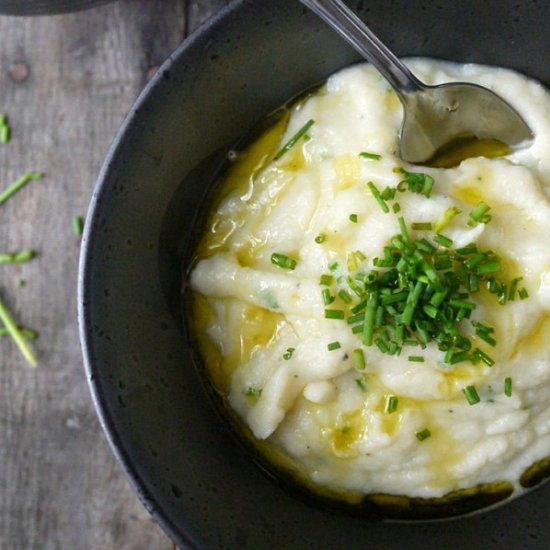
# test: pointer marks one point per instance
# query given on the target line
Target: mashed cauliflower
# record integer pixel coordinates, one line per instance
(293, 376)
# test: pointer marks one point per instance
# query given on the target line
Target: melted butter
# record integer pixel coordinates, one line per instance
(239, 181)
(455, 151)
(347, 170)
(258, 328)
(351, 427)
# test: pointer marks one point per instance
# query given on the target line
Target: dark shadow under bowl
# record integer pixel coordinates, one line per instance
(198, 483)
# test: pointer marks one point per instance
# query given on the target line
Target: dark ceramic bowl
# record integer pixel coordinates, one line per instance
(46, 7)
(196, 480)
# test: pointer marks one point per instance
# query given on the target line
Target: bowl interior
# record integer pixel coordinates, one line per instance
(190, 473)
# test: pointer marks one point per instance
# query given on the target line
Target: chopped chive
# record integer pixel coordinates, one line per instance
(416, 358)
(333, 266)
(344, 296)
(334, 313)
(294, 139)
(359, 357)
(321, 238)
(388, 193)
(523, 293)
(288, 353)
(425, 246)
(359, 318)
(357, 329)
(326, 280)
(333, 346)
(5, 134)
(391, 404)
(423, 434)
(353, 218)
(514, 287)
(479, 354)
(328, 298)
(479, 213)
(18, 184)
(253, 392)
(379, 199)
(461, 304)
(404, 232)
(361, 384)
(78, 225)
(446, 218)
(491, 266)
(396, 208)
(17, 335)
(443, 241)
(471, 395)
(422, 226)
(283, 261)
(17, 257)
(508, 387)
(368, 328)
(370, 156)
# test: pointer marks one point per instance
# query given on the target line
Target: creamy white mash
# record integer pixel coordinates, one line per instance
(267, 327)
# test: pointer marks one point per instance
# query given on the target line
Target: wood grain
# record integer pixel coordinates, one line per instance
(60, 486)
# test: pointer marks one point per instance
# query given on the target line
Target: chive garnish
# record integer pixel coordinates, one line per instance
(283, 261)
(18, 184)
(416, 358)
(321, 238)
(391, 404)
(446, 218)
(359, 357)
(288, 353)
(370, 313)
(16, 334)
(479, 214)
(345, 296)
(415, 182)
(396, 208)
(523, 293)
(471, 395)
(377, 196)
(294, 139)
(508, 387)
(421, 226)
(353, 218)
(370, 156)
(78, 225)
(423, 434)
(443, 241)
(334, 345)
(326, 280)
(328, 298)
(5, 130)
(334, 313)
(361, 384)
(17, 257)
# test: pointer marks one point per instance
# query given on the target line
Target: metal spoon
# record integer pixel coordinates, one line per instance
(433, 115)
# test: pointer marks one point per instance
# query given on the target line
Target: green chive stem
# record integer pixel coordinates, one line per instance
(17, 335)
(18, 184)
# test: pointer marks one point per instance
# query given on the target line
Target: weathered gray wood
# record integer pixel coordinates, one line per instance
(60, 486)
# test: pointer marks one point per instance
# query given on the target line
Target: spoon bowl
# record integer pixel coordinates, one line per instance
(433, 116)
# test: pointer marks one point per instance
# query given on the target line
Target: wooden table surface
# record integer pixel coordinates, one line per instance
(66, 83)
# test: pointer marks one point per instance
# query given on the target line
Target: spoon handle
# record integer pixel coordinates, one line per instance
(358, 35)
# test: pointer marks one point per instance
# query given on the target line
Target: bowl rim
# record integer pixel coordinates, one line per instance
(179, 533)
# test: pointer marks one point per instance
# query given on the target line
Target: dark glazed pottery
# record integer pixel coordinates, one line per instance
(46, 7)
(198, 483)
